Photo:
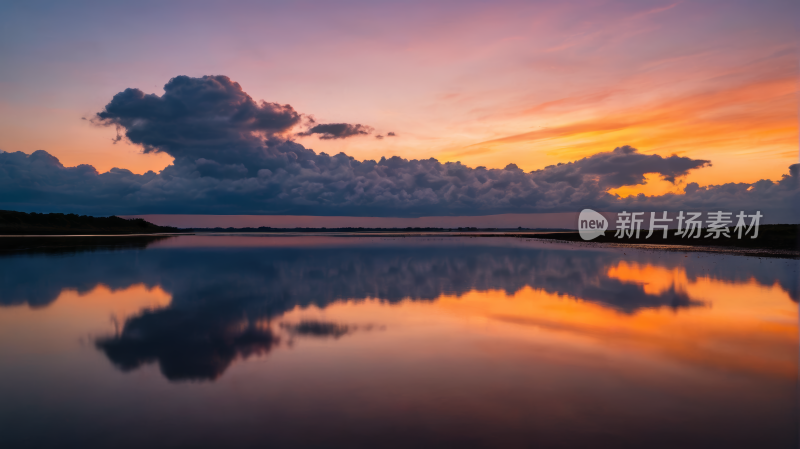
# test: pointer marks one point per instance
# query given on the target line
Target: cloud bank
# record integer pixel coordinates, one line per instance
(234, 155)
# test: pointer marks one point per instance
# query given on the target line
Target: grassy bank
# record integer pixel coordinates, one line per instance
(773, 237)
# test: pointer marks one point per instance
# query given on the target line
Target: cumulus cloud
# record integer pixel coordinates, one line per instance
(338, 131)
(210, 117)
(290, 179)
(233, 156)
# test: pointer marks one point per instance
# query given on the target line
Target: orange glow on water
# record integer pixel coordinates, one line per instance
(74, 315)
(485, 359)
(742, 326)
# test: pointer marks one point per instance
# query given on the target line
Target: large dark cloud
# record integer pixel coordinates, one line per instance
(290, 179)
(624, 166)
(209, 117)
(338, 130)
(232, 156)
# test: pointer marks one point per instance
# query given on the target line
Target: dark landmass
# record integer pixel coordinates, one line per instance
(70, 245)
(771, 237)
(21, 223)
(377, 230)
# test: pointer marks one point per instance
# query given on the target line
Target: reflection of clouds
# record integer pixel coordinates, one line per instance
(273, 280)
(187, 344)
(200, 343)
(222, 296)
(314, 328)
(653, 279)
(40, 268)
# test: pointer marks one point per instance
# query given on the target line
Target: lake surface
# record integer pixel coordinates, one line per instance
(326, 341)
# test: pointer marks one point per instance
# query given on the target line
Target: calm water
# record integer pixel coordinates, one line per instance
(247, 341)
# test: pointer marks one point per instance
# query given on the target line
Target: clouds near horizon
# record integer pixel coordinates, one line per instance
(234, 155)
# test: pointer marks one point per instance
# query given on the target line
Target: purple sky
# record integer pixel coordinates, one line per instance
(483, 83)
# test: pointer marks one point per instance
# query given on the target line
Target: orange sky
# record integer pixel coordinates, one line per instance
(532, 84)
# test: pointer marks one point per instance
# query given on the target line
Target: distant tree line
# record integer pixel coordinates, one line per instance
(21, 223)
(362, 229)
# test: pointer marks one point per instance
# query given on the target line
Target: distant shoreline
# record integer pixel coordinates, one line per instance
(772, 241)
(68, 243)
(14, 223)
(751, 252)
(361, 230)
(19, 230)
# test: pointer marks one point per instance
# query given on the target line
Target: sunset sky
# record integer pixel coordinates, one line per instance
(484, 83)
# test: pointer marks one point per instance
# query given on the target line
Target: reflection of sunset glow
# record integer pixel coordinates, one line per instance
(747, 327)
(99, 310)
(491, 340)
(744, 326)
(654, 280)
(119, 303)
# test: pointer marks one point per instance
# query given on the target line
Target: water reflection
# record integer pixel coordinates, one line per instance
(270, 280)
(196, 345)
(224, 297)
(379, 342)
